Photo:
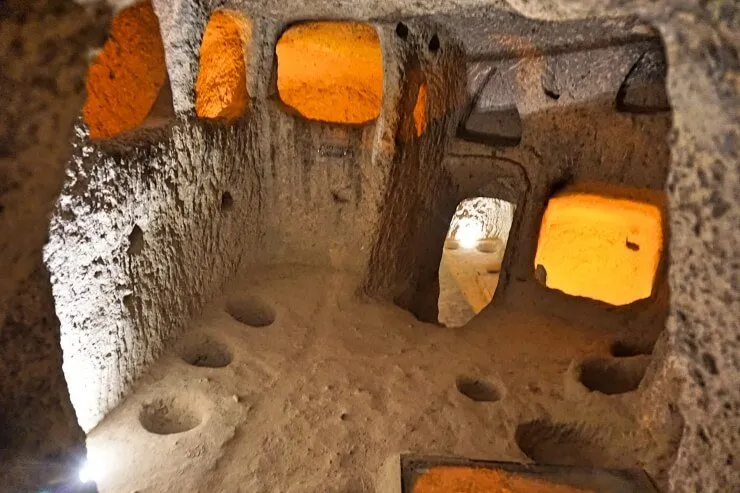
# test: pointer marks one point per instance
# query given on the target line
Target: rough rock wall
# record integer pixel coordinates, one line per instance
(704, 211)
(702, 47)
(140, 239)
(493, 215)
(543, 113)
(43, 59)
(416, 206)
(138, 242)
(703, 203)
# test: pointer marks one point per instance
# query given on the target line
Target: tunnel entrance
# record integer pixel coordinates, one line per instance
(471, 259)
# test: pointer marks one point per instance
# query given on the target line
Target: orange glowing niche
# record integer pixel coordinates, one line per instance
(331, 71)
(221, 87)
(456, 479)
(125, 79)
(420, 110)
(602, 248)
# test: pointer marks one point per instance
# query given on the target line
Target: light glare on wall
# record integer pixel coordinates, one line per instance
(469, 232)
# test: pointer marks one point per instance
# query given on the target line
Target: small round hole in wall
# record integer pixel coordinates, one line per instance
(613, 376)
(227, 202)
(402, 30)
(135, 241)
(206, 352)
(251, 310)
(632, 245)
(478, 390)
(434, 44)
(169, 415)
(553, 443)
(551, 93)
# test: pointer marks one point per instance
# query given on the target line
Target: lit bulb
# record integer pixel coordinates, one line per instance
(468, 233)
(86, 473)
(94, 468)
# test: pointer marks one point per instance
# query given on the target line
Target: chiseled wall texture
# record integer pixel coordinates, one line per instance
(139, 240)
(179, 217)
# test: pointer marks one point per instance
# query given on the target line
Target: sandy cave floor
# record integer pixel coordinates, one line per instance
(469, 266)
(318, 399)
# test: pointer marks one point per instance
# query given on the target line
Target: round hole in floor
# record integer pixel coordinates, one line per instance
(546, 442)
(452, 244)
(613, 376)
(206, 352)
(624, 349)
(478, 390)
(251, 310)
(489, 246)
(168, 415)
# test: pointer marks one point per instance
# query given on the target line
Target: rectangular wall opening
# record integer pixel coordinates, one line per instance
(472, 256)
(599, 247)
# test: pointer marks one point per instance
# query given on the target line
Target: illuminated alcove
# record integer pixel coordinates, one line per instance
(127, 77)
(221, 87)
(420, 110)
(331, 71)
(472, 256)
(599, 247)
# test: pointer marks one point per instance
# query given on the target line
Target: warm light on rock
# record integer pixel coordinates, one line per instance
(420, 110)
(221, 88)
(124, 81)
(331, 71)
(602, 248)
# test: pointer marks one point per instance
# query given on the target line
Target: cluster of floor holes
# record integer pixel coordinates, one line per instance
(168, 415)
(551, 443)
(251, 310)
(206, 352)
(613, 376)
(478, 390)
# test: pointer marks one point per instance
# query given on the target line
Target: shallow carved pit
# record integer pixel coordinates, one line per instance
(623, 349)
(613, 376)
(169, 415)
(251, 310)
(546, 442)
(479, 390)
(206, 352)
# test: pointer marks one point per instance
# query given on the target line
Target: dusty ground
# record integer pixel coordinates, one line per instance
(470, 268)
(317, 399)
